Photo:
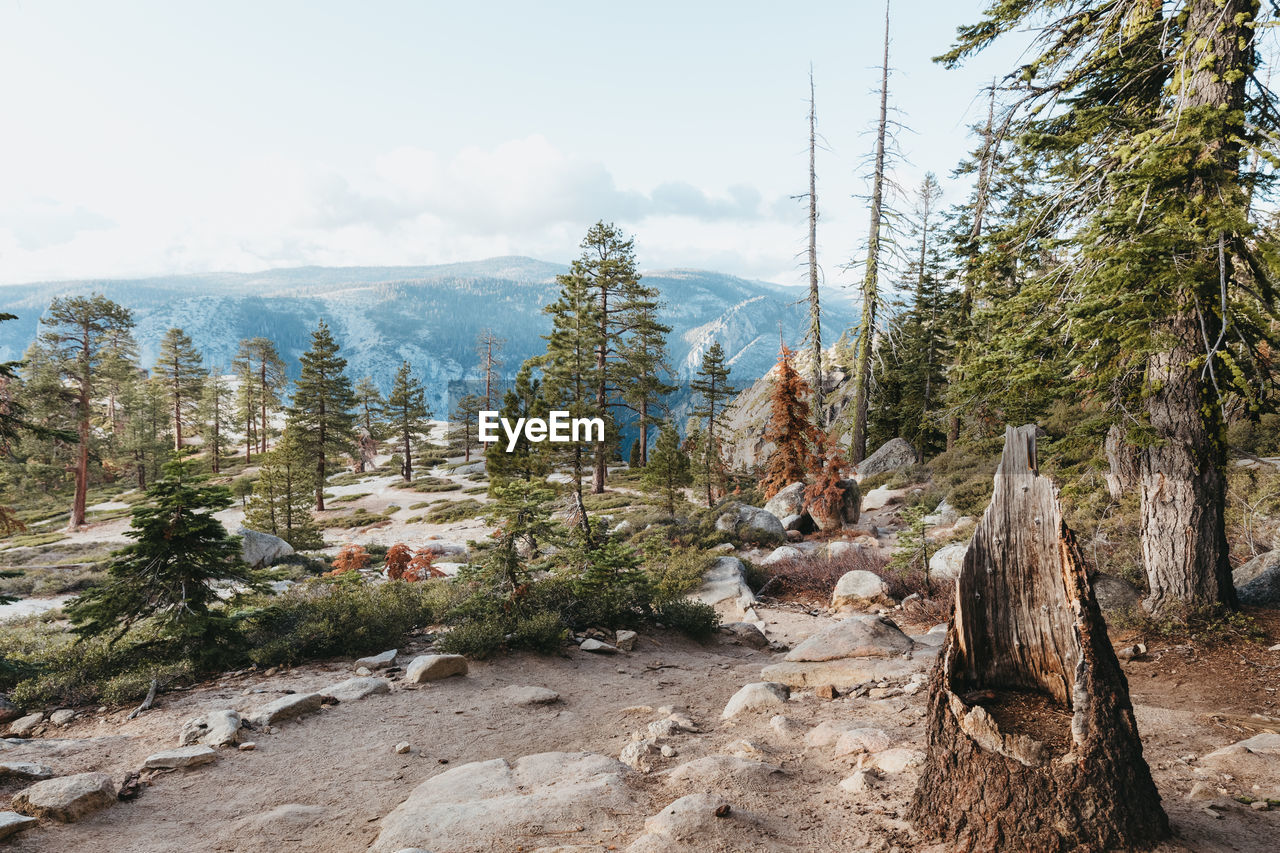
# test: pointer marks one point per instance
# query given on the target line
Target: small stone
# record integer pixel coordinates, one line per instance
(25, 770)
(355, 689)
(1275, 648)
(363, 671)
(786, 726)
(626, 640)
(11, 823)
(62, 717)
(638, 755)
(402, 747)
(216, 728)
(597, 647)
(426, 668)
(24, 726)
(1260, 805)
(379, 661)
(183, 756)
(531, 695)
(669, 751)
(756, 697)
(1202, 791)
(285, 708)
(826, 691)
(859, 783)
(248, 746)
(723, 810)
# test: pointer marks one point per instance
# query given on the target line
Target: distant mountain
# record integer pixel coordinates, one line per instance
(428, 315)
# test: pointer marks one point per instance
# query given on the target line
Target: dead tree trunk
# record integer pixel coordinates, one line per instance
(1032, 740)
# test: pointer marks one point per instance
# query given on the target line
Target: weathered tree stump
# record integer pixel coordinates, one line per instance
(1032, 740)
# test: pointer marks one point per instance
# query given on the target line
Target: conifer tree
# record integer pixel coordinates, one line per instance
(283, 493)
(215, 416)
(790, 430)
(146, 436)
(667, 471)
(714, 392)
(526, 460)
(488, 347)
(644, 363)
(407, 412)
(181, 367)
(369, 406)
(321, 411)
(77, 331)
(464, 424)
(247, 408)
(180, 551)
(1145, 170)
(262, 383)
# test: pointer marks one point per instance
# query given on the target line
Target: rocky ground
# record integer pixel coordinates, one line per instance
(800, 727)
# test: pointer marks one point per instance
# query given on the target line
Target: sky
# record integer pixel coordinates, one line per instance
(152, 138)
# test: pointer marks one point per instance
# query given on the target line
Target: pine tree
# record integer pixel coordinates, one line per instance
(714, 392)
(168, 575)
(282, 495)
(790, 430)
(520, 509)
(464, 424)
(407, 413)
(488, 346)
(526, 460)
(263, 380)
(644, 362)
(668, 472)
(1161, 284)
(215, 415)
(77, 334)
(321, 411)
(369, 406)
(182, 369)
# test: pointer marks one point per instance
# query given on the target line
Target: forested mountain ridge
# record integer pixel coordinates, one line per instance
(427, 315)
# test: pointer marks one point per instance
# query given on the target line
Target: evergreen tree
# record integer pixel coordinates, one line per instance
(667, 471)
(714, 392)
(77, 333)
(633, 458)
(520, 509)
(263, 381)
(464, 423)
(790, 430)
(407, 413)
(1161, 284)
(215, 415)
(182, 369)
(282, 495)
(369, 407)
(180, 552)
(488, 346)
(644, 363)
(321, 411)
(247, 408)
(526, 460)
(146, 440)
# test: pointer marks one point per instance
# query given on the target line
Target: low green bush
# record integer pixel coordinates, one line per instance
(692, 618)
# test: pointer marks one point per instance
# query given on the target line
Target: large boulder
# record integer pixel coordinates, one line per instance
(1115, 594)
(859, 588)
(724, 587)
(1261, 583)
(946, 562)
(880, 497)
(786, 552)
(67, 798)
(286, 707)
(853, 651)
(1255, 760)
(216, 728)
(845, 514)
(426, 668)
(789, 501)
(893, 454)
(262, 549)
(856, 637)
(750, 523)
(760, 696)
(484, 805)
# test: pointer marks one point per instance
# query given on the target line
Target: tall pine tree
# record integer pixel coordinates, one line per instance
(181, 367)
(713, 393)
(321, 410)
(407, 412)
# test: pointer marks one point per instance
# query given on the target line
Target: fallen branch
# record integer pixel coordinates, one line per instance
(148, 702)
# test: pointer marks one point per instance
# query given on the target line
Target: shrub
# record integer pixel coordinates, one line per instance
(674, 572)
(541, 632)
(476, 638)
(351, 558)
(398, 557)
(447, 511)
(319, 619)
(691, 618)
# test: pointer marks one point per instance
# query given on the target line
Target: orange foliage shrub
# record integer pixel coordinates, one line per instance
(420, 567)
(352, 558)
(399, 558)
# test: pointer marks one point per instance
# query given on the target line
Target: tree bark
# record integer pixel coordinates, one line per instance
(1032, 743)
(1124, 463)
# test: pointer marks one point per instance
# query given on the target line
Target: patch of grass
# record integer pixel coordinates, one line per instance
(33, 540)
(448, 511)
(342, 499)
(1207, 626)
(46, 582)
(606, 501)
(476, 490)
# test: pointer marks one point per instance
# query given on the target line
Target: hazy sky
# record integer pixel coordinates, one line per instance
(161, 137)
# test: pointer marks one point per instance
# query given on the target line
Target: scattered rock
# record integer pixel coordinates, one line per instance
(826, 691)
(520, 695)
(845, 513)
(1115, 594)
(285, 708)
(1136, 650)
(24, 726)
(1203, 791)
(183, 756)
(700, 822)
(746, 634)
(880, 497)
(860, 589)
(749, 523)
(1263, 590)
(944, 515)
(639, 754)
(894, 454)
(856, 636)
(860, 782)
(724, 587)
(893, 761)
(402, 747)
(784, 552)
(747, 749)
(62, 717)
(947, 561)
(24, 770)
(481, 806)
(726, 772)
(626, 640)
(378, 661)
(598, 647)
(67, 798)
(854, 741)
(261, 549)
(787, 727)
(248, 746)
(1256, 759)
(8, 710)
(216, 728)
(11, 823)
(787, 502)
(760, 696)
(354, 689)
(426, 668)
